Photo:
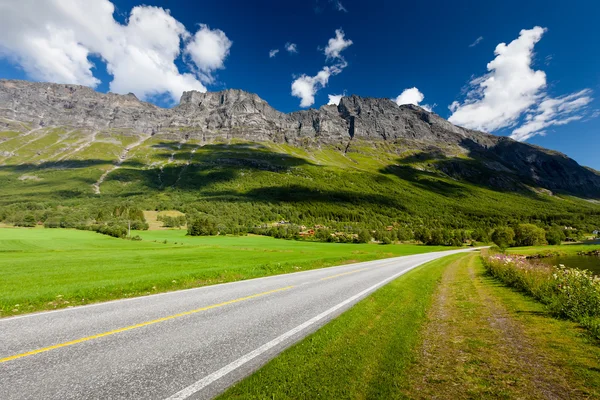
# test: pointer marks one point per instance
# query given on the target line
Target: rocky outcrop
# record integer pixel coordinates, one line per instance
(238, 114)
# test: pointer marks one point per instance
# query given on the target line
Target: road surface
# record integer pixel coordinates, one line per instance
(186, 344)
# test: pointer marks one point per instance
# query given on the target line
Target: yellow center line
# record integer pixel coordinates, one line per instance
(345, 273)
(140, 325)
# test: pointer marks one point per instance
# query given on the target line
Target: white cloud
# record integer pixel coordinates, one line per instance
(336, 45)
(334, 99)
(291, 47)
(553, 112)
(476, 42)
(511, 88)
(208, 49)
(305, 87)
(413, 96)
(273, 53)
(52, 40)
(497, 99)
(338, 5)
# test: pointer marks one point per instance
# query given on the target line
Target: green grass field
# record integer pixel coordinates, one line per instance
(50, 268)
(565, 249)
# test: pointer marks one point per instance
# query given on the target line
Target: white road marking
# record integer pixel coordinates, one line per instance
(207, 380)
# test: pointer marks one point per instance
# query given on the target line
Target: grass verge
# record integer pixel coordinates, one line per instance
(447, 331)
(362, 354)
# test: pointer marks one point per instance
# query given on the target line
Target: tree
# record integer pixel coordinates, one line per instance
(364, 236)
(481, 235)
(423, 235)
(503, 237)
(27, 221)
(555, 236)
(405, 234)
(202, 226)
(529, 235)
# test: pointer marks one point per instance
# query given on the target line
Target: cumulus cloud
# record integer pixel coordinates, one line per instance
(291, 47)
(52, 41)
(305, 87)
(476, 42)
(273, 53)
(334, 99)
(498, 99)
(336, 45)
(511, 89)
(208, 49)
(412, 96)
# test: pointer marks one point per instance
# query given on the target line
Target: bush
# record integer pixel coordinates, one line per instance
(503, 237)
(28, 221)
(202, 226)
(555, 236)
(568, 292)
(52, 222)
(172, 222)
(529, 235)
(364, 236)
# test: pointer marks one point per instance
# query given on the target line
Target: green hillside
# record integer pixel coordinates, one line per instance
(52, 173)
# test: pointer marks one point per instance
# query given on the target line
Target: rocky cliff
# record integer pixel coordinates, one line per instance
(237, 114)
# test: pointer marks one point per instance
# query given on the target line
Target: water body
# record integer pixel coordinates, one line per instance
(591, 263)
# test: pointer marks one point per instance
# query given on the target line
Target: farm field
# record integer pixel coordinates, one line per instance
(565, 249)
(45, 269)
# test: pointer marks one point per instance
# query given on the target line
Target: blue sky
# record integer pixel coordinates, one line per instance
(395, 46)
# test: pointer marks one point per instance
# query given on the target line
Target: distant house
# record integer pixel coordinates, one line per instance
(596, 232)
(309, 232)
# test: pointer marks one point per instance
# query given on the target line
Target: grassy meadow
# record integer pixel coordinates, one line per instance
(45, 269)
(564, 249)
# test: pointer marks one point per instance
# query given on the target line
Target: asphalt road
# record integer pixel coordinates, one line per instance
(186, 344)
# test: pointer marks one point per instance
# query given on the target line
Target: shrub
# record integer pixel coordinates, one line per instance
(568, 292)
(555, 236)
(529, 235)
(364, 236)
(202, 226)
(503, 237)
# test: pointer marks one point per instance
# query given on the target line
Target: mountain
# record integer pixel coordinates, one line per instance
(231, 155)
(235, 114)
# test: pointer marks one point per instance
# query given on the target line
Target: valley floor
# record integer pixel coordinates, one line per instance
(46, 269)
(444, 331)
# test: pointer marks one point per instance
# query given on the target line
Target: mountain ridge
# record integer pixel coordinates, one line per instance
(237, 114)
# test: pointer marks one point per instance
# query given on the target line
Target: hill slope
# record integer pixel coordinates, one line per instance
(231, 155)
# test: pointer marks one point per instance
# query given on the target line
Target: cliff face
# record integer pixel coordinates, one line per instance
(238, 114)
(233, 112)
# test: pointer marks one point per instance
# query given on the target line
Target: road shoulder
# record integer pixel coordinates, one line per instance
(484, 340)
